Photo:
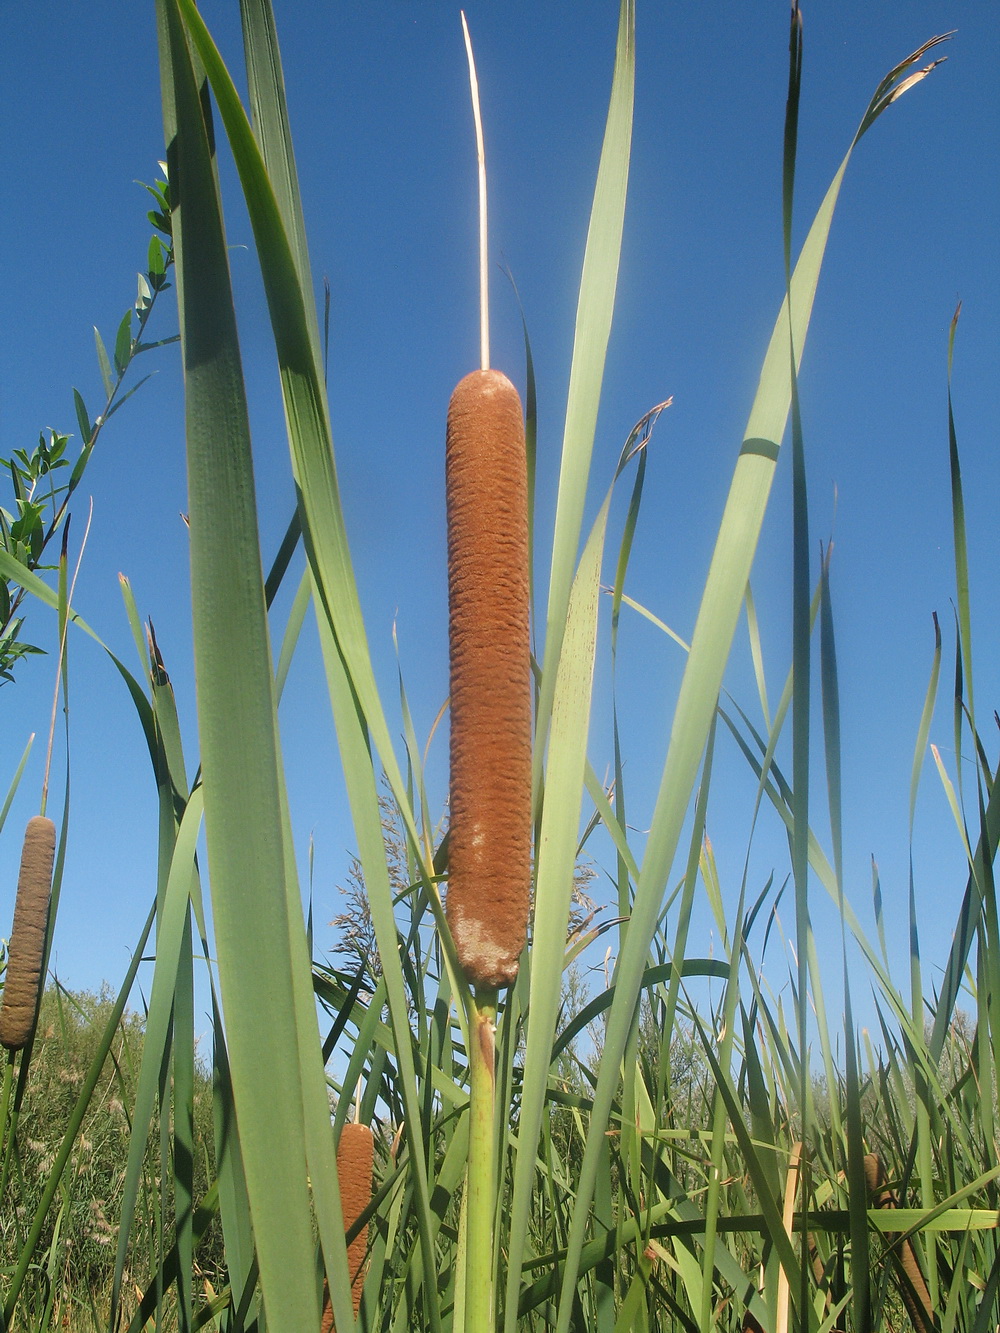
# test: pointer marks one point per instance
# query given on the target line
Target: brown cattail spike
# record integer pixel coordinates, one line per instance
(22, 982)
(355, 1160)
(912, 1286)
(490, 803)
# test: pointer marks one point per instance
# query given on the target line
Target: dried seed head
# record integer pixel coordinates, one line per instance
(490, 801)
(22, 982)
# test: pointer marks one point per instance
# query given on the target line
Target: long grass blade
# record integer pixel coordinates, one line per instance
(554, 882)
(236, 706)
(593, 328)
(15, 782)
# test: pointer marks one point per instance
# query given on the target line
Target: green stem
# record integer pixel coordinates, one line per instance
(6, 1123)
(481, 1172)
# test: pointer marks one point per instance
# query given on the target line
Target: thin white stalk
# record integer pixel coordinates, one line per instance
(484, 295)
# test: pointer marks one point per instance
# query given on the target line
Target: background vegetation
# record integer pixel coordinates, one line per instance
(80, 1231)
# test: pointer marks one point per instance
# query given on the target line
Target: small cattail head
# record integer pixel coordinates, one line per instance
(875, 1179)
(913, 1288)
(355, 1163)
(22, 982)
(488, 585)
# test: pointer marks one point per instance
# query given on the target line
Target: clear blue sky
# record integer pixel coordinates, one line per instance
(379, 107)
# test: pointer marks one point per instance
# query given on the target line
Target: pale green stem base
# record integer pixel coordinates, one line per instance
(481, 1172)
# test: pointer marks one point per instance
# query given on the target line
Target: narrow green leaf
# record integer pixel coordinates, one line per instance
(595, 308)
(155, 257)
(104, 363)
(269, 110)
(82, 417)
(123, 344)
(135, 624)
(15, 781)
(923, 731)
(306, 410)
(296, 619)
(557, 848)
(123, 398)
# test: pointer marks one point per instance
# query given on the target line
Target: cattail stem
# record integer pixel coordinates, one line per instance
(481, 1168)
(8, 1081)
(8, 1128)
(484, 281)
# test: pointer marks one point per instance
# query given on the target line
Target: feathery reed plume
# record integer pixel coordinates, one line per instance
(490, 814)
(912, 1286)
(22, 983)
(355, 1160)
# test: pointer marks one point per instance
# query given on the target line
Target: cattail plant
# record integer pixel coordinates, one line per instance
(490, 800)
(489, 860)
(22, 984)
(355, 1159)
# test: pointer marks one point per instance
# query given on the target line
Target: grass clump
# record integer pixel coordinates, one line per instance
(73, 1267)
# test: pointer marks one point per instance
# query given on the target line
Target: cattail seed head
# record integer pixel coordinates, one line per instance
(355, 1162)
(490, 801)
(22, 982)
(913, 1288)
(875, 1179)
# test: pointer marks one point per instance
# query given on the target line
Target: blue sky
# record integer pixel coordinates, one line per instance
(379, 106)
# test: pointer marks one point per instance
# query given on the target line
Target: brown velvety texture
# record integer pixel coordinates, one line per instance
(489, 854)
(912, 1286)
(22, 981)
(355, 1161)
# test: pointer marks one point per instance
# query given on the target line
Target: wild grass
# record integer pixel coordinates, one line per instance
(69, 1281)
(687, 1148)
